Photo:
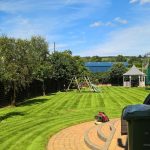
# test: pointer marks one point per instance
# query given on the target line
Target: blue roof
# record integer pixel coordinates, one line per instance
(102, 64)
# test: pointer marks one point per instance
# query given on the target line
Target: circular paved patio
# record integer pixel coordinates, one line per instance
(72, 138)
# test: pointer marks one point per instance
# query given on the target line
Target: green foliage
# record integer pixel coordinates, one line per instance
(137, 61)
(116, 73)
(108, 59)
(68, 52)
(81, 69)
(100, 77)
(98, 59)
(25, 61)
(65, 66)
(40, 60)
(121, 58)
(21, 62)
(15, 73)
(105, 78)
(148, 75)
(95, 59)
(30, 125)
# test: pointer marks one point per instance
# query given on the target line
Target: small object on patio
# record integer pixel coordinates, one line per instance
(101, 117)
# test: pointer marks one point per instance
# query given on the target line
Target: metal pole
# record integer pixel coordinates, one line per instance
(54, 47)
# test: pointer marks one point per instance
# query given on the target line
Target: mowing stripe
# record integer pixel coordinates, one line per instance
(28, 126)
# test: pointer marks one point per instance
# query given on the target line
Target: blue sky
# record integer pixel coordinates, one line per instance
(86, 27)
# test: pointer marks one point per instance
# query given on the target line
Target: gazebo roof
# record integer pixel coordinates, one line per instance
(134, 71)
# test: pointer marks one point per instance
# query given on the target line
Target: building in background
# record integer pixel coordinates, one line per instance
(101, 66)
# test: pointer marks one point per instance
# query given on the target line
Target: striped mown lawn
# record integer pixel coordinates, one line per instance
(30, 125)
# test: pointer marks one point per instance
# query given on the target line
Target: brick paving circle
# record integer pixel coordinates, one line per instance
(72, 138)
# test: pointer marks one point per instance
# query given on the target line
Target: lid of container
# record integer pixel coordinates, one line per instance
(139, 111)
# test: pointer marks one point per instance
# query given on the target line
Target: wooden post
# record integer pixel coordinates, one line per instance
(139, 81)
(70, 84)
(144, 80)
(77, 84)
(130, 81)
(87, 82)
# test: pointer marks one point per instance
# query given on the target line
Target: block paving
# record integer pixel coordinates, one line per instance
(72, 138)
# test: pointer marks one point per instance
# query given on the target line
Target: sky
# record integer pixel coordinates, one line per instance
(86, 27)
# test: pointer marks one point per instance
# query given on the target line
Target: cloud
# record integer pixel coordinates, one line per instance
(23, 27)
(145, 1)
(46, 15)
(110, 23)
(130, 41)
(50, 19)
(97, 24)
(133, 1)
(139, 1)
(14, 6)
(120, 20)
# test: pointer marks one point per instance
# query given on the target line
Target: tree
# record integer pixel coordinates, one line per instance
(104, 78)
(116, 73)
(22, 61)
(15, 71)
(65, 67)
(68, 51)
(121, 58)
(80, 66)
(136, 61)
(96, 59)
(1, 66)
(40, 59)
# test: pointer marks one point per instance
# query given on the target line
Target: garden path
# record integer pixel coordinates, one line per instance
(72, 138)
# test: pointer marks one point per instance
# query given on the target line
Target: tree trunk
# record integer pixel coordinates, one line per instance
(58, 84)
(27, 90)
(43, 88)
(13, 102)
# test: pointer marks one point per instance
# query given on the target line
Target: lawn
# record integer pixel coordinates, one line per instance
(30, 125)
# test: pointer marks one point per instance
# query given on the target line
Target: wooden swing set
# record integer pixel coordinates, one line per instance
(88, 82)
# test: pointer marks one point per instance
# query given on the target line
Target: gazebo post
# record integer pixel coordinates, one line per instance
(144, 80)
(130, 80)
(139, 80)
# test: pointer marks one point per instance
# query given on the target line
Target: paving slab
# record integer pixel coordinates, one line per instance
(72, 138)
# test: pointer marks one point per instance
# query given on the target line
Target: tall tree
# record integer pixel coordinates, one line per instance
(121, 58)
(116, 73)
(22, 61)
(15, 72)
(64, 67)
(96, 59)
(40, 60)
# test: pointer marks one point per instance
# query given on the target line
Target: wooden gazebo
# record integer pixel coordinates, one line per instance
(129, 75)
